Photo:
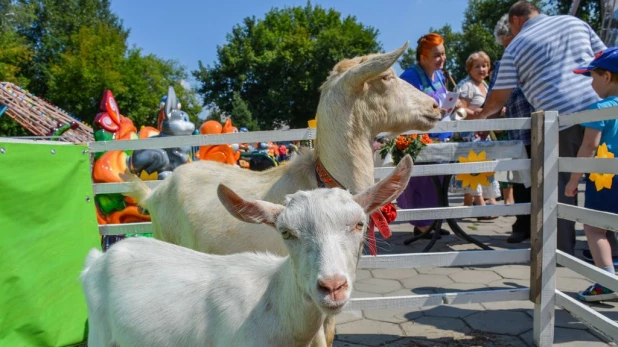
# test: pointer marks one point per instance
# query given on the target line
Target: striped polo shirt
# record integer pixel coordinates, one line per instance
(541, 58)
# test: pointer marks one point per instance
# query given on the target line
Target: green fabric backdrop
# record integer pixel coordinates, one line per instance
(47, 226)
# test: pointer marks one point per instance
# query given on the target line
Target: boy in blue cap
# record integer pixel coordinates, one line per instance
(604, 72)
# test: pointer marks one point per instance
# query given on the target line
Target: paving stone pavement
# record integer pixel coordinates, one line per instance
(484, 324)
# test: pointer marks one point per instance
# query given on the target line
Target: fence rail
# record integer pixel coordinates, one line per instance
(202, 140)
(586, 165)
(403, 215)
(416, 301)
(587, 315)
(599, 219)
(588, 116)
(289, 135)
(604, 220)
(445, 259)
(379, 173)
(589, 271)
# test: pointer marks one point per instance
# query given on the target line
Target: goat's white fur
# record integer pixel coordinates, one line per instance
(144, 292)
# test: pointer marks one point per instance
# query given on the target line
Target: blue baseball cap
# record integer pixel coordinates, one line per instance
(607, 59)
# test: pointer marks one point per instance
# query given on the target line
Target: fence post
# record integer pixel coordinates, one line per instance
(544, 220)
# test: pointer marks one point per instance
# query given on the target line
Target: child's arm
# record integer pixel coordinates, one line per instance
(588, 148)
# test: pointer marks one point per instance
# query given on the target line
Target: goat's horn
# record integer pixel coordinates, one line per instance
(360, 73)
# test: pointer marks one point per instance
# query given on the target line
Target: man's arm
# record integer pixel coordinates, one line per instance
(494, 103)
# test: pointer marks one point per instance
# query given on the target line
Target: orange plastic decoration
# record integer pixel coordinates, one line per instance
(146, 132)
(108, 167)
(128, 215)
(220, 153)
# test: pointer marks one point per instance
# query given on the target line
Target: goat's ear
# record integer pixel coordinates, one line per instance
(248, 210)
(359, 74)
(388, 188)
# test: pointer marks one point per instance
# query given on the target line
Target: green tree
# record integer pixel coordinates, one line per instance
(51, 28)
(13, 54)
(91, 64)
(69, 51)
(588, 10)
(278, 63)
(97, 62)
(241, 116)
(215, 114)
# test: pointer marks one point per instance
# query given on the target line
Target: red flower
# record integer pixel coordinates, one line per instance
(389, 212)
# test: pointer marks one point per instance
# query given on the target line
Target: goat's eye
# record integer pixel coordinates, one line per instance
(286, 234)
(359, 226)
(387, 77)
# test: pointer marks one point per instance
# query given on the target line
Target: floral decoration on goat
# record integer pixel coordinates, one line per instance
(405, 144)
(474, 179)
(602, 180)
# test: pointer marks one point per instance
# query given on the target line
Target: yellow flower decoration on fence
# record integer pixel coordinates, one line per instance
(602, 180)
(474, 179)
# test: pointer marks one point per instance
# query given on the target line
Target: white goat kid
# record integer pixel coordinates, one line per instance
(361, 98)
(145, 292)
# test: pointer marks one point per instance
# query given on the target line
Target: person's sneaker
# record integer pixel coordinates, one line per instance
(518, 237)
(597, 292)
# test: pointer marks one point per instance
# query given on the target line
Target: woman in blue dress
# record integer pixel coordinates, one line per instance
(427, 76)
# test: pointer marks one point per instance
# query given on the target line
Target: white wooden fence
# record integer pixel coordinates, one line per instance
(544, 209)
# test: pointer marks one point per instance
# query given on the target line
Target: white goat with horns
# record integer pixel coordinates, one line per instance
(145, 292)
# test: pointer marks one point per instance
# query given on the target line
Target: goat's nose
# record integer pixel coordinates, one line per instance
(333, 284)
(435, 105)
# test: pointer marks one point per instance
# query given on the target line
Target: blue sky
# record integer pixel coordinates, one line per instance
(190, 30)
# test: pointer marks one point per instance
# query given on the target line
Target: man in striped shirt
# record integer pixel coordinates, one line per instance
(540, 61)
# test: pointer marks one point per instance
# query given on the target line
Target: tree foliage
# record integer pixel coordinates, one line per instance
(69, 51)
(240, 114)
(277, 64)
(588, 10)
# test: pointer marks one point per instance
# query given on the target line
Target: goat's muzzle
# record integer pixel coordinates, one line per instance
(335, 287)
